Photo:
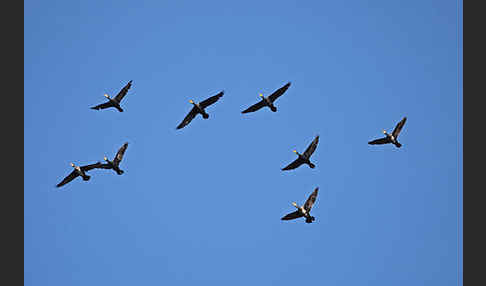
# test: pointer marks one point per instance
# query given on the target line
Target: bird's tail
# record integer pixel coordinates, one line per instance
(312, 165)
(398, 145)
(119, 109)
(309, 219)
(273, 108)
(86, 178)
(119, 172)
(205, 115)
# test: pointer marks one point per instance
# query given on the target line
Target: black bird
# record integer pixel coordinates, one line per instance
(303, 211)
(114, 102)
(116, 161)
(79, 171)
(199, 108)
(304, 158)
(393, 138)
(268, 101)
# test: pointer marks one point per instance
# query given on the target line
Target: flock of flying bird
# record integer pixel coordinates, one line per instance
(199, 108)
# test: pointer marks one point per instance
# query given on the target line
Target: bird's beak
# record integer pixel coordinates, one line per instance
(72, 164)
(384, 131)
(260, 95)
(295, 151)
(190, 101)
(106, 95)
(295, 204)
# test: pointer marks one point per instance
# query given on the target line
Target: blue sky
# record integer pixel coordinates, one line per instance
(203, 204)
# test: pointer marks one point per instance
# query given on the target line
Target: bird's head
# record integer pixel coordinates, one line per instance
(105, 158)
(295, 151)
(191, 101)
(260, 95)
(384, 131)
(72, 165)
(295, 204)
(106, 95)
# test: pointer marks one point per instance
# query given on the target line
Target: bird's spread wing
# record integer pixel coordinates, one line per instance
(123, 92)
(296, 163)
(104, 166)
(292, 215)
(207, 102)
(254, 107)
(103, 105)
(189, 117)
(383, 140)
(312, 147)
(68, 178)
(86, 168)
(311, 200)
(399, 127)
(119, 154)
(278, 92)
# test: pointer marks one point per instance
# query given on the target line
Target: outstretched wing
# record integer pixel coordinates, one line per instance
(278, 92)
(123, 92)
(399, 127)
(312, 147)
(189, 117)
(254, 107)
(296, 163)
(103, 105)
(207, 102)
(86, 168)
(68, 178)
(292, 215)
(104, 166)
(383, 140)
(311, 200)
(119, 154)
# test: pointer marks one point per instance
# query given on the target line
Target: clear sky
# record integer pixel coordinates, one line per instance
(202, 205)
